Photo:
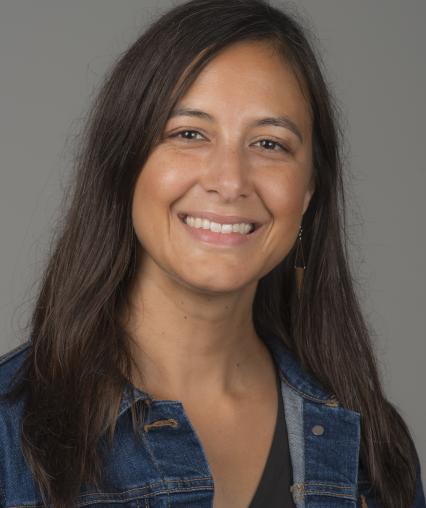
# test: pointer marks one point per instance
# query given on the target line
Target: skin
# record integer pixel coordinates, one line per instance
(191, 312)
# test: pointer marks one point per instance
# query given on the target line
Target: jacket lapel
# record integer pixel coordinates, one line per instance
(324, 437)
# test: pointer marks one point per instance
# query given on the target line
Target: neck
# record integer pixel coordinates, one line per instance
(191, 345)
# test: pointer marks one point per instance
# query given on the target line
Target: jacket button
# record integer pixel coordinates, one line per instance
(318, 430)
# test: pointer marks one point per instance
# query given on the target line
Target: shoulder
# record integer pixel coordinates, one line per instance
(14, 469)
(10, 364)
(11, 410)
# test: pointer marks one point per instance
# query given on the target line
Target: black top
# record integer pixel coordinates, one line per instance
(273, 490)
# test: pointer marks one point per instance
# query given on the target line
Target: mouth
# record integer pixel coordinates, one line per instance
(255, 225)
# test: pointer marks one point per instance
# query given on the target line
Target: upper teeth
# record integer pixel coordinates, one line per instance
(198, 222)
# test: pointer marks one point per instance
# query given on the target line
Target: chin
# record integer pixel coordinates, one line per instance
(215, 284)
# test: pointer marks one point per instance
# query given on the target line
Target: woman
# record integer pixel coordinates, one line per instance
(197, 340)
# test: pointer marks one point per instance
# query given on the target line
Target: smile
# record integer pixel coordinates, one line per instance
(215, 233)
(242, 228)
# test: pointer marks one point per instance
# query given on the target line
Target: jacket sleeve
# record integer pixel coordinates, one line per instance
(419, 501)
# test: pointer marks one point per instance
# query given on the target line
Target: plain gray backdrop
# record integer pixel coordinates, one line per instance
(53, 54)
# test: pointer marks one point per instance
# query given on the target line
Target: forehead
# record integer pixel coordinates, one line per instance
(246, 77)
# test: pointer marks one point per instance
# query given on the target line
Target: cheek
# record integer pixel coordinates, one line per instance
(163, 179)
(285, 196)
(159, 184)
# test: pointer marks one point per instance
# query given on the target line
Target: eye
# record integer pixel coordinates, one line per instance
(186, 131)
(272, 144)
(183, 135)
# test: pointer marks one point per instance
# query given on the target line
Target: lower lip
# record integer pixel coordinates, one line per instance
(226, 239)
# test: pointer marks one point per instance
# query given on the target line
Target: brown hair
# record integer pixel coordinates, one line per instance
(79, 348)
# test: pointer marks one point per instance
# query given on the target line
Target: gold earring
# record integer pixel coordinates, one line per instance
(299, 266)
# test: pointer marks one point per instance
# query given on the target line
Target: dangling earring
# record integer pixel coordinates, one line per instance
(299, 265)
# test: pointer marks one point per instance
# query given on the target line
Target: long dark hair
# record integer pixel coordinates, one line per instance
(79, 350)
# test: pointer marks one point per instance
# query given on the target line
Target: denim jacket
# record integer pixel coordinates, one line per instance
(168, 467)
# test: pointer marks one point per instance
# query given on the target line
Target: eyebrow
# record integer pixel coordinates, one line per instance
(278, 121)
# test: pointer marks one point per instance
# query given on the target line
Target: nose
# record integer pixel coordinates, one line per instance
(227, 173)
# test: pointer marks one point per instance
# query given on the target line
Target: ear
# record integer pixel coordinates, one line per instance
(308, 195)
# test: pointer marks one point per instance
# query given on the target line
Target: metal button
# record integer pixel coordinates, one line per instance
(318, 430)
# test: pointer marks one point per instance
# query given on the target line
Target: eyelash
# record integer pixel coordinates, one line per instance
(284, 148)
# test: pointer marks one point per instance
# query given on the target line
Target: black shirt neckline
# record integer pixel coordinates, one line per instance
(274, 486)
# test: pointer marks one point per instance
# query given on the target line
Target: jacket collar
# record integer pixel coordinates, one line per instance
(294, 375)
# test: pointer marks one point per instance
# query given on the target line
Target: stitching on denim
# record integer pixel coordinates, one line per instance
(145, 497)
(300, 490)
(330, 484)
(310, 397)
(325, 493)
(27, 506)
(149, 485)
(190, 489)
(144, 439)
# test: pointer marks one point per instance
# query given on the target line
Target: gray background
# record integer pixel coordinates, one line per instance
(53, 54)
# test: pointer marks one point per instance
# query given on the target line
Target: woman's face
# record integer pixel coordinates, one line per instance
(225, 162)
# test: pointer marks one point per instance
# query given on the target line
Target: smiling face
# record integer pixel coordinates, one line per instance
(223, 164)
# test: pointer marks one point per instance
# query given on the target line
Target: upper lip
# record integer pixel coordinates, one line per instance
(222, 219)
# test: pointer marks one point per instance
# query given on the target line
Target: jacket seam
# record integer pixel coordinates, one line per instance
(310, 397)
